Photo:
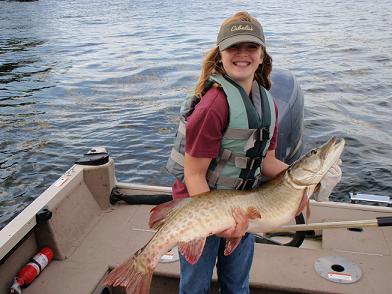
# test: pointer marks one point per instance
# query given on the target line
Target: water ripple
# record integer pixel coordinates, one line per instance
(79, 74)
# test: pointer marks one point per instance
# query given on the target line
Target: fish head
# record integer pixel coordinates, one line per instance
(311, 168)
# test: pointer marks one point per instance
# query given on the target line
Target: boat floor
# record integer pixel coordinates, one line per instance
(118, 232)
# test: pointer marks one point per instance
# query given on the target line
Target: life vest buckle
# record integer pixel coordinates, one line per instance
(242, 184)
(265, 133)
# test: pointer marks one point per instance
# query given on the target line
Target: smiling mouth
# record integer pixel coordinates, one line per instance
(241, 63)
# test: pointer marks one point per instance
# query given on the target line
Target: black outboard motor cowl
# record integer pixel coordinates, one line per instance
(290, 101)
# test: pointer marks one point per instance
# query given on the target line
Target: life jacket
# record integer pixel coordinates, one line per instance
(244, 143)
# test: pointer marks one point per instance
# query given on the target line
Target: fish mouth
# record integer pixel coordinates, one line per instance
(331, 151)
(312, 167)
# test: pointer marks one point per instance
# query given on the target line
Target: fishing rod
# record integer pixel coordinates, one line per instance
(377, 222)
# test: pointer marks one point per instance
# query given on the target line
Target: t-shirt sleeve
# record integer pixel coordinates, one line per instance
(274, 139)
(205, 126)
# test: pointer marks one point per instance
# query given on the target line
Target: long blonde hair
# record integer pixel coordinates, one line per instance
(212, 65)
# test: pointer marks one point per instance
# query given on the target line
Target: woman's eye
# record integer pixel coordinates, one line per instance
(234, 47)
(249, 46)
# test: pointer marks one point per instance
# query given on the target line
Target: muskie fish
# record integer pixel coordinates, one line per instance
(187, 222)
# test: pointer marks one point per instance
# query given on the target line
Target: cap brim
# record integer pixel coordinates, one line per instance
(239, 39)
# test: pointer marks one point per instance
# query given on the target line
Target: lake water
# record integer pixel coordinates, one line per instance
(79, 74)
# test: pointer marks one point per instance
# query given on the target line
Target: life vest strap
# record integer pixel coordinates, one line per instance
(182, 128)
(258, 135)
(215, 178)
(177, 157)
(231, 182)
(226, 155)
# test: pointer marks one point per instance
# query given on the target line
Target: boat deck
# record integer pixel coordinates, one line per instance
(118, 232)
(90, 236)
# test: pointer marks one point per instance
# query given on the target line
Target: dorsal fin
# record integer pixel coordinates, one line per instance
(161, 212)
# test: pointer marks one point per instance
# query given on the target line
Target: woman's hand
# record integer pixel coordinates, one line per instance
(240, 227)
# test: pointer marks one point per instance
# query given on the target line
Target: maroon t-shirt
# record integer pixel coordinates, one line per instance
(205, 128)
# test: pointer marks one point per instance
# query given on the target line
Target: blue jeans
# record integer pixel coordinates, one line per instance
(233, 270)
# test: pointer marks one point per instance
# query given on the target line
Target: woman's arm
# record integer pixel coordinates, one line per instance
(195, 170)
(272, 166)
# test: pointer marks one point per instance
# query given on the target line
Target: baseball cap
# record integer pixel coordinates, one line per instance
(239, 32)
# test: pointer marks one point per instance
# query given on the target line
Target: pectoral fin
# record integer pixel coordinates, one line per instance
(253, 213)
(231, 245)
(192, 250)
(307, 211)
(304, 202)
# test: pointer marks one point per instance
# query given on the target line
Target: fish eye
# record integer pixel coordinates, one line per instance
(313, 152)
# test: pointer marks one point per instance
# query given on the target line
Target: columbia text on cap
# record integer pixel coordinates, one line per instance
(239, 32)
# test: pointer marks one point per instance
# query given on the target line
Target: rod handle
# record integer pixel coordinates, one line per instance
(384, 221)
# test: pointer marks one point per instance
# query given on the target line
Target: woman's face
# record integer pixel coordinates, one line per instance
(241, 61)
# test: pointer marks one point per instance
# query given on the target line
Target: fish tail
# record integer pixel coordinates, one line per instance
(133, 275)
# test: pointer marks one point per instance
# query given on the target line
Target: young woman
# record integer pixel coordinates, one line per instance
(231, 135)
